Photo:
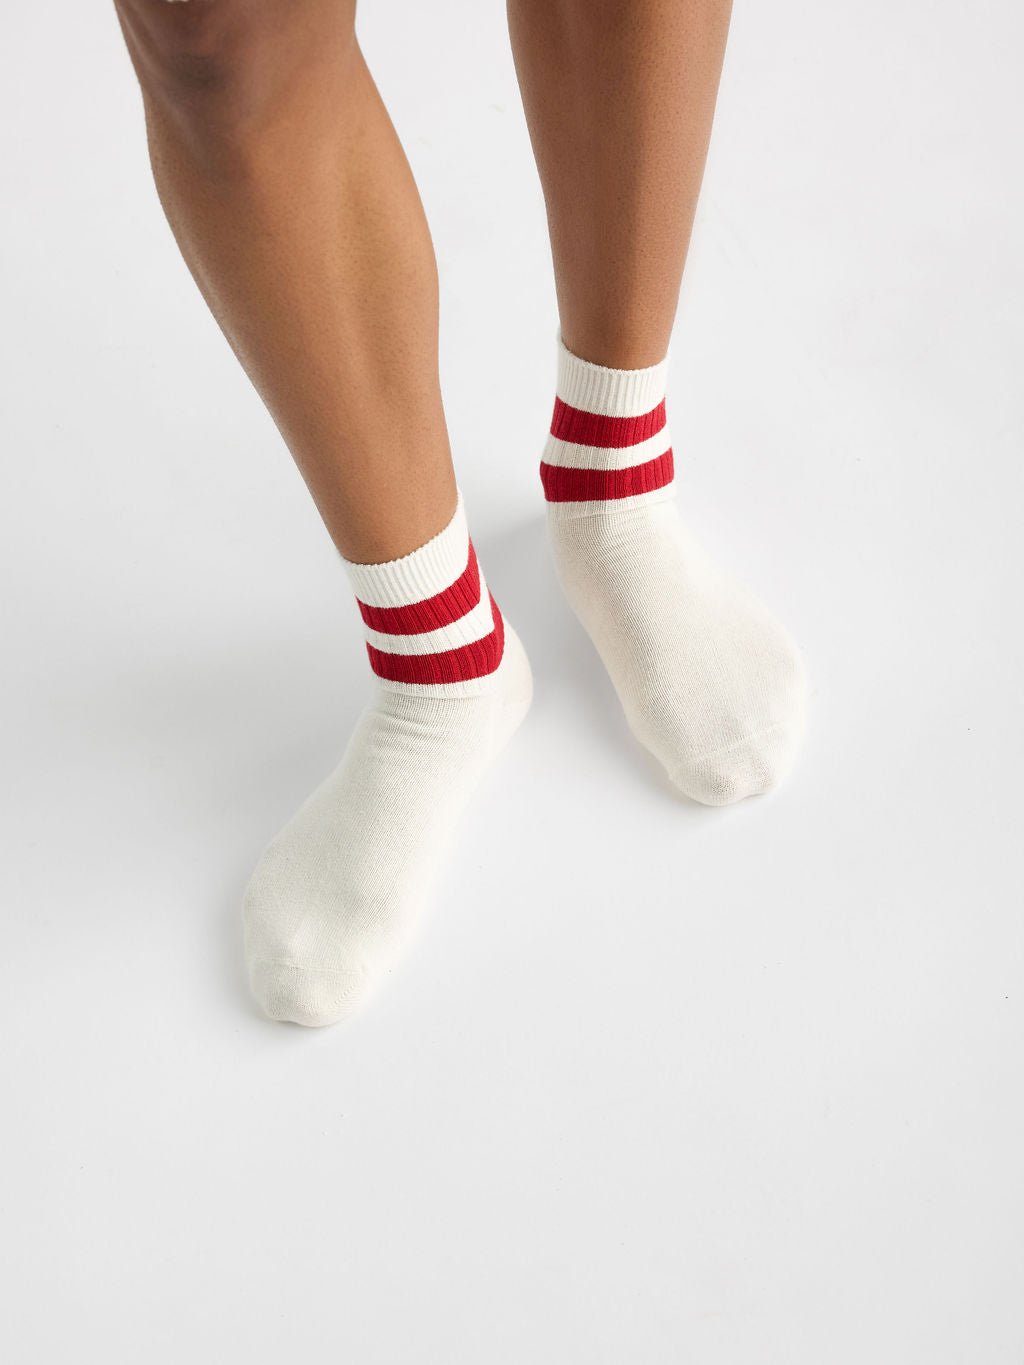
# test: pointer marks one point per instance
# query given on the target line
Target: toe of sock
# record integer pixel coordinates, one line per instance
(750, 768)
(311, 996)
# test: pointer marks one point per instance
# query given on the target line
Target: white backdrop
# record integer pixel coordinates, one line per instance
(661, 1084)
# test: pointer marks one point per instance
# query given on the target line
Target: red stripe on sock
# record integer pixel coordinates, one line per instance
(565, 484)
(450, 665)
(613, 433)
(433, 612)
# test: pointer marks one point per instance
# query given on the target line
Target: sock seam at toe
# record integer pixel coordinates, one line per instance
(357, 972)
(738, 744)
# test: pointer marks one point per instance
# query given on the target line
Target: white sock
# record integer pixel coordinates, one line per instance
(335, 897)
(710, 682)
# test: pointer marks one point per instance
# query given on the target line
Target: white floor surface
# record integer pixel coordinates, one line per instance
(661, 1084)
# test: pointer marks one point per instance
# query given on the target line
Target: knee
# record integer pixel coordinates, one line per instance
(218, 67)
(186, 51)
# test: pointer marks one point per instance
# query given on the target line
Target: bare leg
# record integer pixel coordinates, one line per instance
(619, 100)
(295, 209)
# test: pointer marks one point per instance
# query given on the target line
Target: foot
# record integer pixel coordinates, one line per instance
(710, 682)
(337, 895)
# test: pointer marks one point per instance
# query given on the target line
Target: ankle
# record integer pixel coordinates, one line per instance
(431, 624)
(609, 445)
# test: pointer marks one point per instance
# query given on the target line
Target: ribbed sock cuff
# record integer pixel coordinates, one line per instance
(418, 575)
(431, 624)
(610, 393)
(609, 448)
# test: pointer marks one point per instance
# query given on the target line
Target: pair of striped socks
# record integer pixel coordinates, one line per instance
(710, 683)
